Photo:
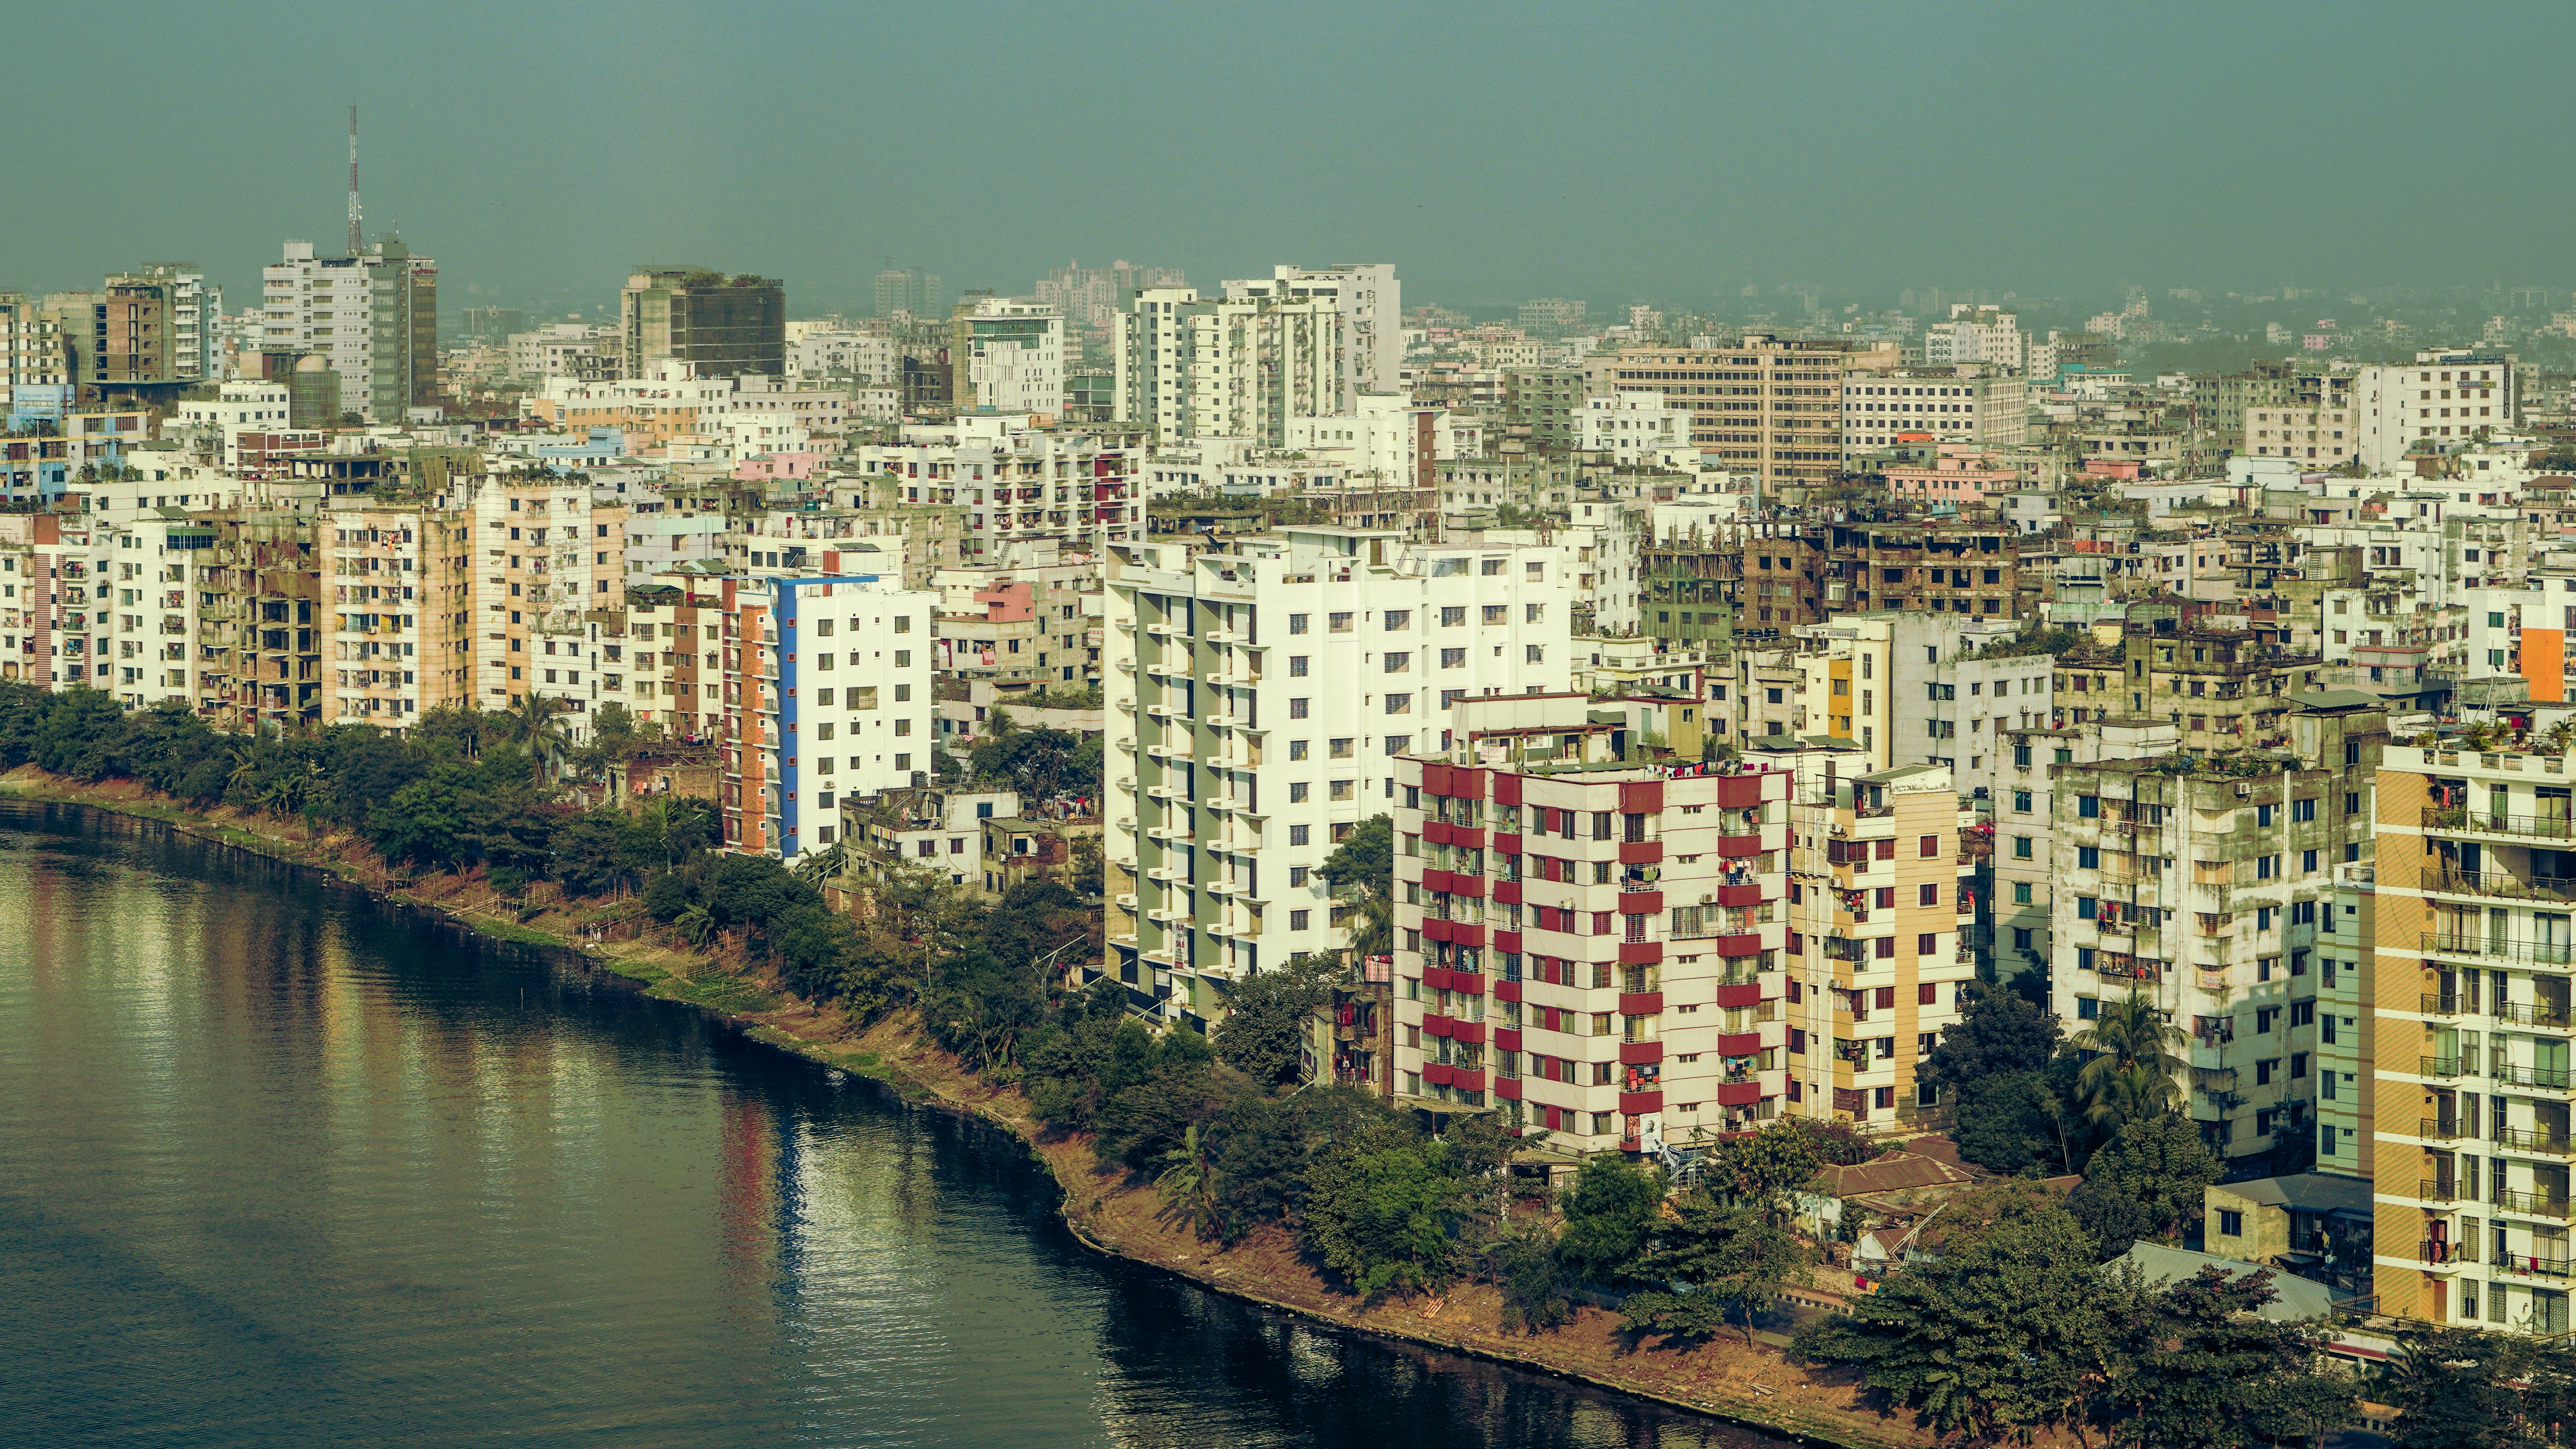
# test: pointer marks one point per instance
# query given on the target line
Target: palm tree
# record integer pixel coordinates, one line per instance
(817, 866)
(2132, 1046)
(695, 925)
(1189, 1184)
(530, 723)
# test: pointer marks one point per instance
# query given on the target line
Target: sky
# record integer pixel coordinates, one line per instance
(1669, 152)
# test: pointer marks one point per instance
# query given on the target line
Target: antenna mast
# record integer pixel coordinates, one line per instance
(353, 181)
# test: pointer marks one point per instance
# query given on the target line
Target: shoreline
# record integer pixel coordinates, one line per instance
(1122, 1222)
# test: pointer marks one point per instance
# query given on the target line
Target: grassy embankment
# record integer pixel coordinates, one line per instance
(1755, 1385)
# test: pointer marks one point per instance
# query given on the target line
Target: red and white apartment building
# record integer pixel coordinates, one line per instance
(1596, 952)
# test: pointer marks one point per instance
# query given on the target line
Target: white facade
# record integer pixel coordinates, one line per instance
(1258, 700)
(1878, 406)
(1372, 305)
(327, 306)
(1238, 367)
(1014, 354)
(1633, 427)
(852, 703)
(2442, 399)
(1976, 334)
(864, 359)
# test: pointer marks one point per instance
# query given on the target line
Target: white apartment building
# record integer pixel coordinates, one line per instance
(1632, 427)
(1236, 367)
(358, 312)
(1010, 355)
(829, 689)
(862, 359)
(33, 350)
(2203, 890)
(1964, 405)
(1385, 442)
(1977, 334)
(2442, 401)
(2324, 436)
(1260, 695)
(238, 409)
(1372, 306)
(567, 349)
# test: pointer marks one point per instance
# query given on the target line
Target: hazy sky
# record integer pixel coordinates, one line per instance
(1492, 152)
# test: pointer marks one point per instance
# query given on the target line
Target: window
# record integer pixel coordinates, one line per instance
(2231, 1223)
(1398, 661)
(1928, 847)
(1297, 792)
(1398, 620)
(1297, 834)
(1339, 622)
(2087, 1009)
(1297, 919)
(1340, 749)
(2021, 938)
(1928, 993)
(1533, 654)
(1297, 875)
(1297, 708)
(2021, 802)
(2021, 848)
(1297, 749)
(1924, 945)
(2021, 893)
(2088, 807)
(1296, 666)
(1927, 894)
(1399, 704)
(1297, 623)
(2088, 857)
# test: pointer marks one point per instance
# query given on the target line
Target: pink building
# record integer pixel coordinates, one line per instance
(797, 466)
(1958, 471)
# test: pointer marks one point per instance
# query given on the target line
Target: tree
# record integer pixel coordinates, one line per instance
(1714, 1261)
(1608, 1213)
(2132, 1060)
(1763, 1168)
(2006, 1333)
(2467, 1390)
(1189, 1183)
(530, 723)
(1999, 1033)
(2010, 1124)
(1537, 1292)
(1381, 1211)
(2202, 1371)
(1361, 870)
(1266, 1019)
(2146, 1182)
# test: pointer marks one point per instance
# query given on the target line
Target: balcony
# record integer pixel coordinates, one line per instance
(2462, 820)
(2439, 1067)
(2448, 1255)
(2433, 1004)
(2531, 1204)
(2533, 1013)
(2524, 1139)
(2501, 883)
(2552, 1079)
(2434, 1129)
(2432, 1191)
(2523, 1265)
(2535, 953)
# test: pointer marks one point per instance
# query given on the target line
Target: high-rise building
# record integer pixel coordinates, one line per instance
(2199, 885)
(1372, 306)
(1875, 951)
(719, 326)
(910, 290)
(373, 317)
(1010, 355)
(1767, 403)
(1232, 367)
(2439, 403)
(1594, 952)
(2444, 1048)
(1260, 697)
(828, 685)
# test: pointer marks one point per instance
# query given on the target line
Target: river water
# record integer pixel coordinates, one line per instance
(281, 1165)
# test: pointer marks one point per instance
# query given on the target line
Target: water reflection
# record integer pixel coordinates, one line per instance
(286, 1167)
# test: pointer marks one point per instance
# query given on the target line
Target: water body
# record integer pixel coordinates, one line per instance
(280, 1165)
